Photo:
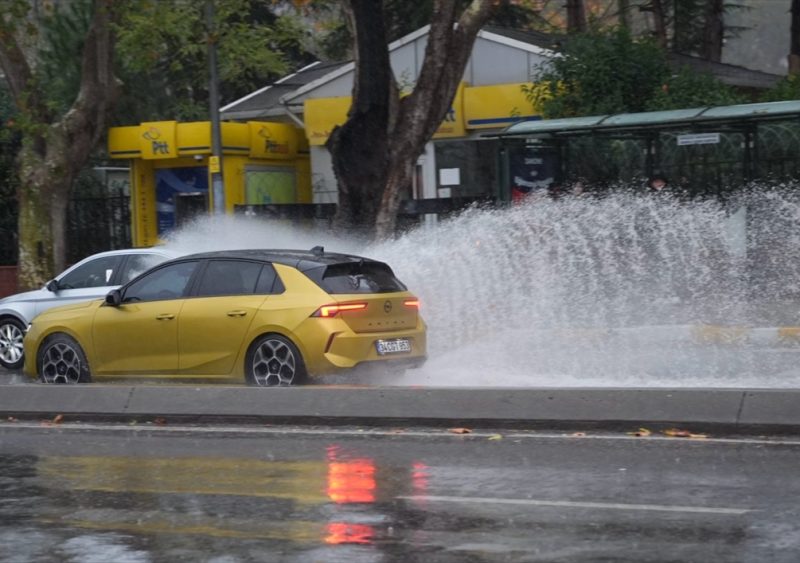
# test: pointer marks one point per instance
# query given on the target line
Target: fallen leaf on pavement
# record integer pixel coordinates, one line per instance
(496, 437)
(12, 419)
(58, 419)
(675, 433)
(698, 436)
(640, 433)
(460, 431)
(160, 421)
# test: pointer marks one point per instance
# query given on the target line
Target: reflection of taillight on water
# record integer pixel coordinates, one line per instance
(342, 532)
(419, 478)
(350, 481)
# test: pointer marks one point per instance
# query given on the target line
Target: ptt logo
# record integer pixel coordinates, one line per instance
(153, 135)
(271, 146)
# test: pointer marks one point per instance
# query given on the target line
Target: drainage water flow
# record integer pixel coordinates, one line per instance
(621, 290)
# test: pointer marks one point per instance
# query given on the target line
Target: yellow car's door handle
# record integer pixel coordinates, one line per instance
(237, 313)
(165, 317)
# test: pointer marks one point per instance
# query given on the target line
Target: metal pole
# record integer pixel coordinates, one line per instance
(215, 162)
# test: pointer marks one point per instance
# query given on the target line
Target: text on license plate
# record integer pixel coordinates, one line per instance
(395, 346)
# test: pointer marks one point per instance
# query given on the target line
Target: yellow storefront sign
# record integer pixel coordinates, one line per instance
(157, 139)
(490, 107)
(323, 114)
(453, 123)
(273, 140)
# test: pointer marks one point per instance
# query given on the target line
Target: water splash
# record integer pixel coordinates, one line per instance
(584, 290)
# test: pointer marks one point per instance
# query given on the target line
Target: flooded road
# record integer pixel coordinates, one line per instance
(152, 493)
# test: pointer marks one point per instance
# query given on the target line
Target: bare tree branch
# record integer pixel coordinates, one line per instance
(99, 88)
(446, 55)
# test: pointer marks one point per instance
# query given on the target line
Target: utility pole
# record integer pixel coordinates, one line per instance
(215, 162)
(794, 50)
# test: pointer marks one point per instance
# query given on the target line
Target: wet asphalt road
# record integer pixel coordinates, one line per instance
(150, 493)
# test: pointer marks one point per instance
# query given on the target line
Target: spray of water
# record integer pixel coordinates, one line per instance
(583, 290)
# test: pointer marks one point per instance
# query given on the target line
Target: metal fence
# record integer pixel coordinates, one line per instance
(94, 223)
(8, 224)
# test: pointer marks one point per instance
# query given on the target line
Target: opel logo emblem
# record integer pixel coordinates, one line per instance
(387, 307)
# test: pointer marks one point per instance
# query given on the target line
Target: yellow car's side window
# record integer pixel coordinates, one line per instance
(229, 277)
(168, 282)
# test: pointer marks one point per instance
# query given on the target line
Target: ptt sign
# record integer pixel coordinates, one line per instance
(157, 140)
(271, 145)
(153, 135)
(272, 141)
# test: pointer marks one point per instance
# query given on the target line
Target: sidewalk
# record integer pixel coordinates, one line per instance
(735, 409)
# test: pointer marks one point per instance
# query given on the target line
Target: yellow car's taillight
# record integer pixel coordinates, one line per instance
(327, 311)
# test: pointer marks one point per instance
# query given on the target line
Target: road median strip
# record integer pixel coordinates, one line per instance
(625, 407)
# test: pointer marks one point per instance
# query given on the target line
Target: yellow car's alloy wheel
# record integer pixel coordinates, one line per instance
(61, 360)
(274, 361)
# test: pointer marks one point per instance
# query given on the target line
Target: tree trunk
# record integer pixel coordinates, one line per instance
(360, 146)
(660, 23)
(400, 177)
(54, 150)
(375, 151)
(624, 16)
(44, 186)
(794, 49)
(576, 16)
(713, 30)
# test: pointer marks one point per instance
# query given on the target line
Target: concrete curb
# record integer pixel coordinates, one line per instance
(734, 408)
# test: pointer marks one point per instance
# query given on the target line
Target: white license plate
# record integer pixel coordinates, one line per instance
(396, 346)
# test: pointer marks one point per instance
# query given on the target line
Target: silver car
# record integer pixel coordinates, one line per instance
(91, 278)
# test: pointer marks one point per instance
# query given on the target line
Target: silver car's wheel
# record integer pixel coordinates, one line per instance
(61, 360)
(12, 332)
(274, 361)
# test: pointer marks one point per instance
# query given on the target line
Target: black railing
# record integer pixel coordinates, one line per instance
(95, 224)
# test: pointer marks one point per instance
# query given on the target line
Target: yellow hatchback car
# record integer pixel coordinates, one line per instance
(272, 316)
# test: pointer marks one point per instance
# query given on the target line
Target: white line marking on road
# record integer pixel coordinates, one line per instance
(572, 504)
(395, 432)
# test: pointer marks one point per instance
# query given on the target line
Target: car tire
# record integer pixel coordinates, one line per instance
(12, 331)
(274, 361)
(62, 360)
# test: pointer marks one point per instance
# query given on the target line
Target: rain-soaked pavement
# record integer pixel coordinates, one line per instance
(159, 492)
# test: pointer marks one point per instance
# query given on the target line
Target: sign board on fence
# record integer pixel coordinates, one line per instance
(698, 139)
(449, 176)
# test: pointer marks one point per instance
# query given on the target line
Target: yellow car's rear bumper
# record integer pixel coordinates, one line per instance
(345, 349)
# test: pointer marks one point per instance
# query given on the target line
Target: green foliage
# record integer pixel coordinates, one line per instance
(600, 73)
(689, 89)
(58, 63)
(611, 72)
(52, 36)
(162, 49)
(688, 23)
(788, 88)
